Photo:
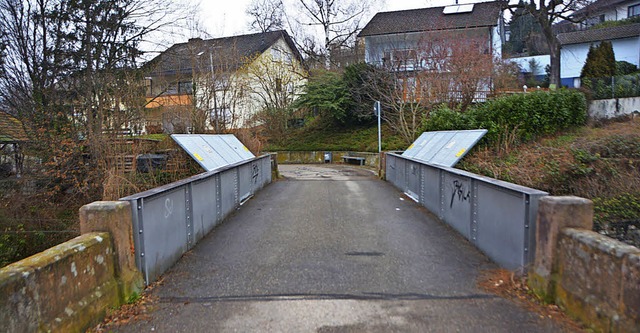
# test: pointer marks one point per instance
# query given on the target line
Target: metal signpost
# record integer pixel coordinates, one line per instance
(377, 110)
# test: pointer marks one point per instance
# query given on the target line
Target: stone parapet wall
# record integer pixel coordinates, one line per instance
(66, 288)
(598, 280)
(593, 278)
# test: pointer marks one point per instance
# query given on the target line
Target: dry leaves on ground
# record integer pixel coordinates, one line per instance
(508, 285)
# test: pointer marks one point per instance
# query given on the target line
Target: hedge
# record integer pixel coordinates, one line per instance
(522, 116)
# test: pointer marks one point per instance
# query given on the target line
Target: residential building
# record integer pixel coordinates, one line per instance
(222, 84)
(576, 38)
(397, 38)
(624, 37)
(423, 47)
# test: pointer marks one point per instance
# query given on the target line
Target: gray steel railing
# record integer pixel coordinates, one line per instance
(497, 217)
(169, 220)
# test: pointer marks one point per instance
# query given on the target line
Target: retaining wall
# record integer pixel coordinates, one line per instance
(313, 157)
(614, 107)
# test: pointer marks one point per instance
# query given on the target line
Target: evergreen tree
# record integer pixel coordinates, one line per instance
(609, 58)
(600, 63)
(522, 26)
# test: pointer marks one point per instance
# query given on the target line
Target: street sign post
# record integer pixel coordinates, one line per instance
(377, 110)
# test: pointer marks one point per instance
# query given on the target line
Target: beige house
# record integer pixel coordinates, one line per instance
(222, 84)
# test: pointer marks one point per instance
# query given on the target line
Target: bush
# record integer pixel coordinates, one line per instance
(327, 93)
(519, 117)
(625, 67)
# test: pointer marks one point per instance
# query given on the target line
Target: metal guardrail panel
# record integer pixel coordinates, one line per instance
(431, 197)
(457, 203)
(205, 213)
(507, 224)
(229, 199)
(165, 240)
(245, 180)
(169, 220)
(414, 180)
(498, 217)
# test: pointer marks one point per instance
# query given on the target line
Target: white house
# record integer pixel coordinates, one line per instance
(392, 36)
(221, 84)
(575, 39)
(422, 47)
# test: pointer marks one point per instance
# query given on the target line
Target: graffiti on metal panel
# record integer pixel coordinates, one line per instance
(460, 191)
(168, 208)
(255, 172)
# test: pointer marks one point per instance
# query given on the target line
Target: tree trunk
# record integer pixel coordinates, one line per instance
(554, 50)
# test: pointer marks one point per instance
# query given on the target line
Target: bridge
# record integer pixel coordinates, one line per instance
(329, 248)
(332, 249)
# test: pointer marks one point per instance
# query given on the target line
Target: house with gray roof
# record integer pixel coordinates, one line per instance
(392, 37)
(576, 38)
(624, 37)
(220, 84)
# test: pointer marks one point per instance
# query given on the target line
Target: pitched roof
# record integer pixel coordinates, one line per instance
(180, 57)
(596, 35)
(11, 130)
(484, 14)
(597, 7)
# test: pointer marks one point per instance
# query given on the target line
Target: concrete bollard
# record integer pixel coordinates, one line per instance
(115, 217)
(555, 214)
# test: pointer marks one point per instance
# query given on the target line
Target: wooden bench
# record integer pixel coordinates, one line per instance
(353, 160)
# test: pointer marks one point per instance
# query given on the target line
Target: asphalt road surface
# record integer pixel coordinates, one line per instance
(332, 249)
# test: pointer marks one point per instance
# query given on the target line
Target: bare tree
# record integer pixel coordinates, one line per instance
(547, 13)
(69, 73)
(266, 15)
(274, 83)
(451, 68)
(340, 21)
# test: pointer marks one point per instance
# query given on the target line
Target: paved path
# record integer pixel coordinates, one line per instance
(332, 249)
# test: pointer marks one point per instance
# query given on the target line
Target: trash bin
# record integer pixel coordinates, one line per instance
(328, 157)
(149, 162)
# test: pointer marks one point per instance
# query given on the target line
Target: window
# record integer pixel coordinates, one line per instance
(633, 11)
(185, 87)
(386, 58)
(148, 83)
(278, 85)
(404, 59)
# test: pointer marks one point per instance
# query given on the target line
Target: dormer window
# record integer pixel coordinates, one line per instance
(633, 11)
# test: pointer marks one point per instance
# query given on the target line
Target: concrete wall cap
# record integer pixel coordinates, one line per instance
(565, 200)
(601, 242)
(105, 205)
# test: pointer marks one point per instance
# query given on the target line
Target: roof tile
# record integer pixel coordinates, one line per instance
(596, 35)
(484, 14)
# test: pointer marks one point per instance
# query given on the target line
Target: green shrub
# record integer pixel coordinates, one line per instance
(625, 206)
(327, 93)
(625, 67)
(519, 117)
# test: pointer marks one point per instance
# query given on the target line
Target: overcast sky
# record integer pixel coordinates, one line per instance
(227, 17)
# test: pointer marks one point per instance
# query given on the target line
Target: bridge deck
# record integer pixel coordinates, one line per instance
(332, 249)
